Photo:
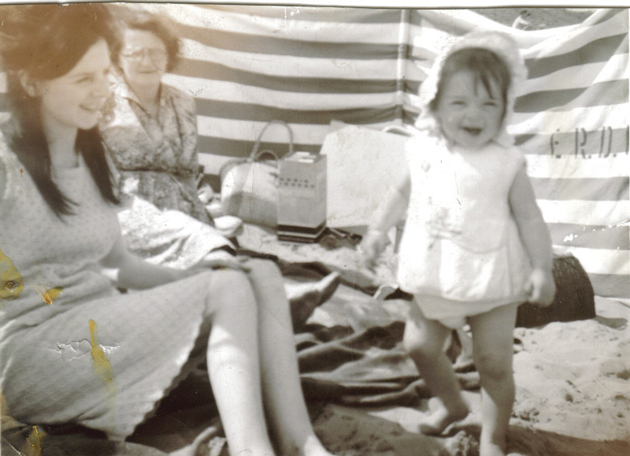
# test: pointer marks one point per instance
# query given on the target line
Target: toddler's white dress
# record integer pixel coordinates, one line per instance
(461, 253)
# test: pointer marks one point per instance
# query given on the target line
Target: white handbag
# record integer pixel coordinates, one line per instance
(249, 187)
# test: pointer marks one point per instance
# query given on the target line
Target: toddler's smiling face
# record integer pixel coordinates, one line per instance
(469, 115)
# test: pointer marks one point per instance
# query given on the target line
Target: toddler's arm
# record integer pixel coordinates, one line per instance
(392, 211)
(535, 235)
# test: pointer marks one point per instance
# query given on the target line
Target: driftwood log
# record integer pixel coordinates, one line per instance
(575, 299)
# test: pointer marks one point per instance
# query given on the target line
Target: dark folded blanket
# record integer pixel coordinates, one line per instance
(367, 368)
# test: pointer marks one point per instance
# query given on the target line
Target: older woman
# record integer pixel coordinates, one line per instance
(150, 130)
(73, 348)
(151, 127)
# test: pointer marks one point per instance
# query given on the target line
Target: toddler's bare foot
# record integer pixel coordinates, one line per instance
(438, 420)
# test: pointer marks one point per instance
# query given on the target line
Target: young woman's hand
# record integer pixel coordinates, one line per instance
(541, 288)
(220, 259)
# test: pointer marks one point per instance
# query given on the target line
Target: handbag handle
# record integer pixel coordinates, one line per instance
(254, 155)
(236, 161)
(264, 152)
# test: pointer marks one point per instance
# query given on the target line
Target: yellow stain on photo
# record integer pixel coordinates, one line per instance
(48, 295)
(6, 420)
(102, 366)
(33, 445)
(11, 282)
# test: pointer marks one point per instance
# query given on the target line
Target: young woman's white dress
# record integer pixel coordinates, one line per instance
(50, 373)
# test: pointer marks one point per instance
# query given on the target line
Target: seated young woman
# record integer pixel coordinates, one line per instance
(73, 349)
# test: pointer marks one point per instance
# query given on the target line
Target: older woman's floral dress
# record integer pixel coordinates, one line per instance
(156, 156)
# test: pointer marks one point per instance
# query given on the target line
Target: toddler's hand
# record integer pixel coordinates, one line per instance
(372, 246)
(541, 288)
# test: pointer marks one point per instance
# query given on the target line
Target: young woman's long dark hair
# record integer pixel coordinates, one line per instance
(46, 42)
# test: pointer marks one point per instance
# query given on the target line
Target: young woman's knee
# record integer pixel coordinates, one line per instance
(266, 270)
(230, 288)
(266, 281)
(228, 278)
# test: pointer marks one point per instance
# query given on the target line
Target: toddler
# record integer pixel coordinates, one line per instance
(475, 245)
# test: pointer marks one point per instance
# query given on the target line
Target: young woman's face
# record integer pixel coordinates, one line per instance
(143, 59)
(75, 99)
(468, 115)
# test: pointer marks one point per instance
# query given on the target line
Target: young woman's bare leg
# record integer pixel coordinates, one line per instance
(493, 346)
(287, 413)
(424, 341)
(233, 363)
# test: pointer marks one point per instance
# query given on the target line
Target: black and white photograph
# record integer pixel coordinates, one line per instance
(266, 229)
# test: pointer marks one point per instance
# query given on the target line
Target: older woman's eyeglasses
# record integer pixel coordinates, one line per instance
(157, 56)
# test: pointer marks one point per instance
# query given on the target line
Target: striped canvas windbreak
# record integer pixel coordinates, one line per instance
(247, 65)
(308, 66)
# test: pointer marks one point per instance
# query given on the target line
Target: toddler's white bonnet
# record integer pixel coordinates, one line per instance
(501, 44)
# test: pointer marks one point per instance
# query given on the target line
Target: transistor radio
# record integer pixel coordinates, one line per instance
(302, 197)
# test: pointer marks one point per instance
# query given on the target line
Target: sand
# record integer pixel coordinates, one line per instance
(572, 399)
(572, 379)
